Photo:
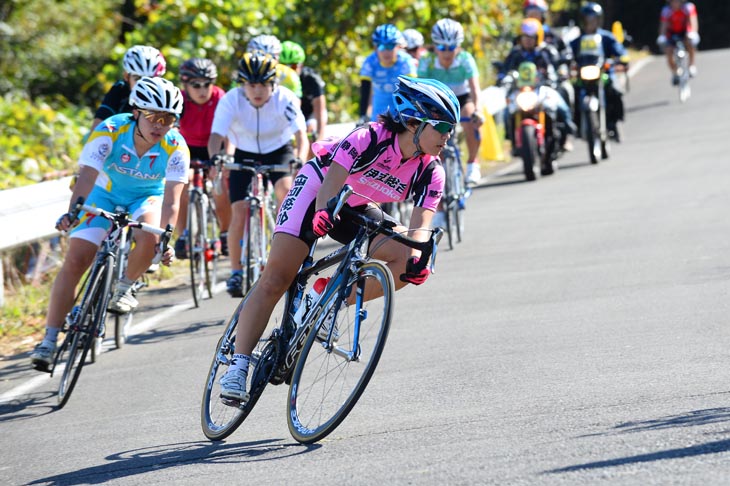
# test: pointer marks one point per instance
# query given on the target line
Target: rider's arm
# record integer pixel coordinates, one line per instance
(302, 142)
(84, 184)
(333, 182)
(216, 144)
(365, 93)
(171, 203)
(420, 221)
(320, 115)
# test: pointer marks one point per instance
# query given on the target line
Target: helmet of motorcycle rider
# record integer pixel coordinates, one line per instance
(588, 12)
(532, 28)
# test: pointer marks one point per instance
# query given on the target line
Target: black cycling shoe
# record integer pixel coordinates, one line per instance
(235, 285)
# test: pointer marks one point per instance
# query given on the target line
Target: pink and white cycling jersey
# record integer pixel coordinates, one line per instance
(678, 21)
(377, 171)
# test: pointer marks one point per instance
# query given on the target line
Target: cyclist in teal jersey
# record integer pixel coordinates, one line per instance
(380, 71)
(137, 161)
(457, 69)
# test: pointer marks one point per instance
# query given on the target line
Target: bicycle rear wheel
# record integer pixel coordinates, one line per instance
(197, 244)
(82, 334)
(328, 378)
(218, 419)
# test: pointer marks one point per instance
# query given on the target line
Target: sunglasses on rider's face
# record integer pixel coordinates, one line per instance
(440, 126)
(197, 85)
(442, 47)
(386, 47)
(159, 117)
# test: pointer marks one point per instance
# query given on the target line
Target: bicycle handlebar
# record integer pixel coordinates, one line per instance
(428, 248)
(255, 167)
(122, 220)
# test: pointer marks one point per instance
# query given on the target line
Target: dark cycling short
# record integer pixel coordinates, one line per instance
(239, 181)
(464, 99)
(198, 153)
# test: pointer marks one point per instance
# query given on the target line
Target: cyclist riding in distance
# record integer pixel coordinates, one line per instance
(456, 68)
(388, 160)
(200, 97)
(591, 18)
(256, 121)
(380, 70)
(314, 103)
(414, 43)
(679, 19)
(138, 61)
(137, 161)
(285, 75)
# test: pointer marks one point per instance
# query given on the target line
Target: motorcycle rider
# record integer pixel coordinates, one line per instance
(591, 19)
(531, 48)
(679, 19)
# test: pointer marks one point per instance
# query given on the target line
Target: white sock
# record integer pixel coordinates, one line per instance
(240, 362)
(51, 335)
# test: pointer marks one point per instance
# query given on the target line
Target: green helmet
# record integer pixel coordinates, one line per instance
(291, 53)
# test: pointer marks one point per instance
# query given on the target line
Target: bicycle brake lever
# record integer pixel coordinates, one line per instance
(162, 245)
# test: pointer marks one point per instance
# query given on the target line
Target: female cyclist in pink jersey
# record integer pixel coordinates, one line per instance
(389, 160)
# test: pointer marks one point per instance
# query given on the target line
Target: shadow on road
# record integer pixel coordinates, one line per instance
(31, 406)
(163, 335)
(140, 461)
(693, 418)
(647, 106)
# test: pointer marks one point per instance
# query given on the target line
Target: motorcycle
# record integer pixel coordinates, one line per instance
(535, 135)
(592, 77)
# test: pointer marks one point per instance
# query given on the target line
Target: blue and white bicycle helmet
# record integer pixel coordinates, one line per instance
(156, 94)
(388, 34)
(144, 61)
(447, 32)
(266, 43)
(424, 98)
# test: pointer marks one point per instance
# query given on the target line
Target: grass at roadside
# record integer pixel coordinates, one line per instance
(22, 319)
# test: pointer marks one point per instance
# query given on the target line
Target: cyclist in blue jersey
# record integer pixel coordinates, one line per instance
(138, 61)
(456, 68)
(137, 161)
(380, 70)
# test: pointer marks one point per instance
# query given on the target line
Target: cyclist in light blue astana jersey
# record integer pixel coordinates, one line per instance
(380, 70)
(457, 69)
(137, 161)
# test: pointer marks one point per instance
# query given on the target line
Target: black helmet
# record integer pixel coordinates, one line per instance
(591, 9)
(256, 67)
(197, 68)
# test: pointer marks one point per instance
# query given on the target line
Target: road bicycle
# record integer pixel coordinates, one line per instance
(455, 194)
(86, 321)
(681, 60)
(260, 219)
(203, 234)
(329, 358)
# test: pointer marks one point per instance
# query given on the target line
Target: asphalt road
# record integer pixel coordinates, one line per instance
(579, 335)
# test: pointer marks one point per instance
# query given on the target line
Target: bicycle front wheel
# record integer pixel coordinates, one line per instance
(81, 336)
(255, 248)
(339, 357)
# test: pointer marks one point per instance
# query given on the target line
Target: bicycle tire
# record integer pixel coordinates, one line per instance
(254, 264)
(196, 239)
(319, 402)
(122, 323)
(212, 247)
(217, 419)
(91, 311)
(457, 207)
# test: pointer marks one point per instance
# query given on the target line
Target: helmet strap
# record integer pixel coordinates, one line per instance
(416, 141)
(139, 132)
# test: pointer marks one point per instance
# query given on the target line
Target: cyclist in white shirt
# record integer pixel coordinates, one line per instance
(256, 121)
